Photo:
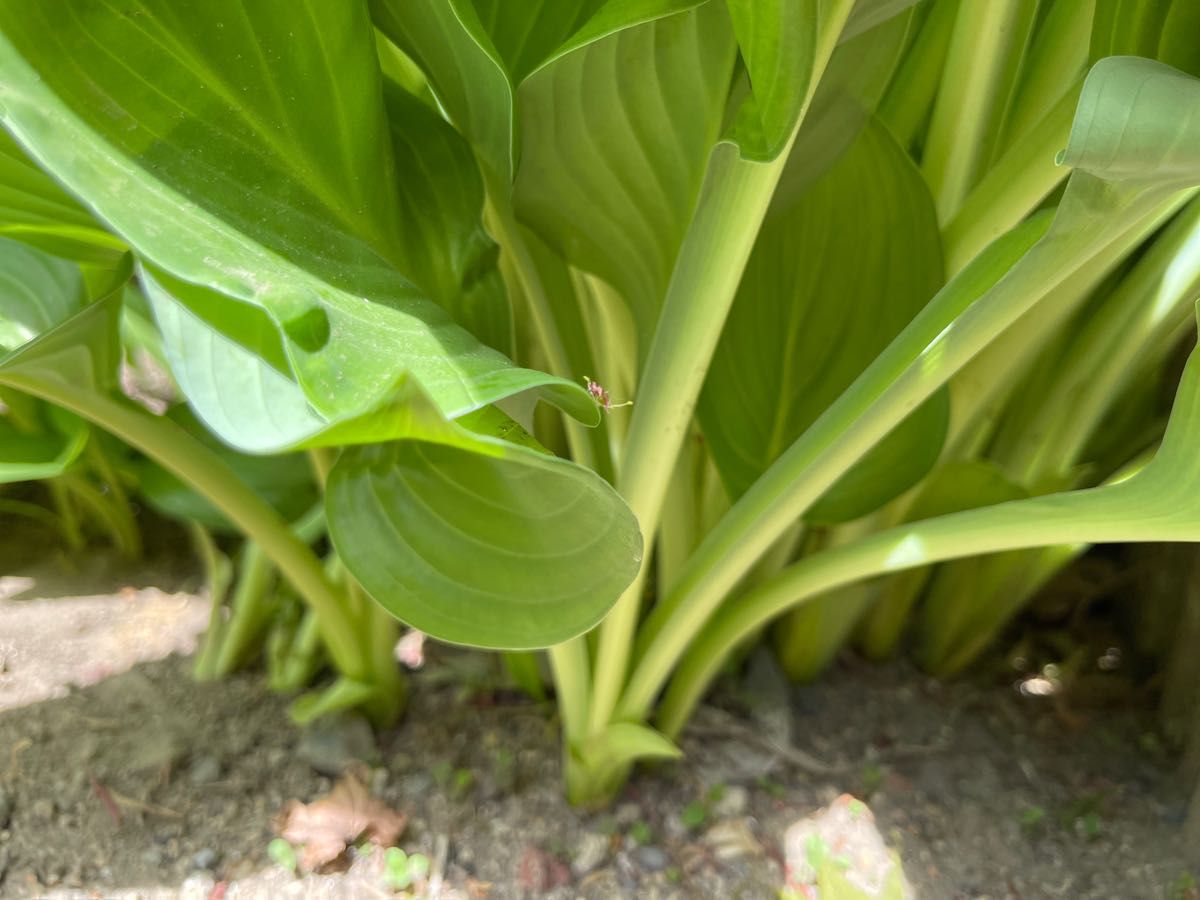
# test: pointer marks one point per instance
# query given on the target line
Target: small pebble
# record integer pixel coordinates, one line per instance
(733, 839)
(650, 858)
(205, 859)
(42, 810)
(627, 814)
(331, 744)
(590, 852)
(733, 803)
(204, 770)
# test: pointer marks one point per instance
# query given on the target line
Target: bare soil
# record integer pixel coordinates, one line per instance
(122, 777)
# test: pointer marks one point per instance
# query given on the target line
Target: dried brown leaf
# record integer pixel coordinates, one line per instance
(330, 824)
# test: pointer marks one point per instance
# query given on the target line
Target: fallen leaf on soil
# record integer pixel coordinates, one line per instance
(327, 826)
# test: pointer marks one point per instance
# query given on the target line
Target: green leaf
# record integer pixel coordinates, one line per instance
(446, 251)
(611, 183)
(783, 42)
(476, 539)
(849, 92)
(476, 54)
(447, 40)
(266, 172)
(788, 351)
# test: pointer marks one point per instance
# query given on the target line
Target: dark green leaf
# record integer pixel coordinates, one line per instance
(833, 278)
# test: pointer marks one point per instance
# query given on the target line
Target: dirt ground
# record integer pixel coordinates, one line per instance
(121, 777)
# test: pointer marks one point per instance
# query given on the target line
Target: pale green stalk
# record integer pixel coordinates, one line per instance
(1109, 514)
(978, 391)
(732, 204)
(1013, 188)
(906, 106)
(979, 55)
(935, 345)
(176, 451)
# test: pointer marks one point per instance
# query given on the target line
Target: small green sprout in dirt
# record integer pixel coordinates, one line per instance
(1184, 887)
(1031, 819)
(461, 784)
(674, 875)
(641, 833)
(283, 854)
(770, 787)
(402, 870)
(698, 812)
(455, 782)
(872, 779)
(694, 815)
(1084, 817)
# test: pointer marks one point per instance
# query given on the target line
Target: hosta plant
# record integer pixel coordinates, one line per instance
(382, 233)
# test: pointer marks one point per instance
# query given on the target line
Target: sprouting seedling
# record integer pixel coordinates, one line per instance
(284, 854)
(402, 870)
(600, 395)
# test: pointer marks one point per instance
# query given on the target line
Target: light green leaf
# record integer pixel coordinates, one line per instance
(788, 351)
(477, 52)
(611, 183)
(476, 539)
(265, 171)
(783, 42)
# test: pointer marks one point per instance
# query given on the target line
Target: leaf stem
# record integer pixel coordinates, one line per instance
(733, 201)
(175, 450)
(1112, 513)
(961, 320)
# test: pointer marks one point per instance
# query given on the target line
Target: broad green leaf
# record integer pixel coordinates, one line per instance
(286, 481)
(446, 251)
(476, 53)
(447, 40)
(849, 92)
(783, 43)
(800, 333)
(476, 539)
(611, 183)
(264, 170)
